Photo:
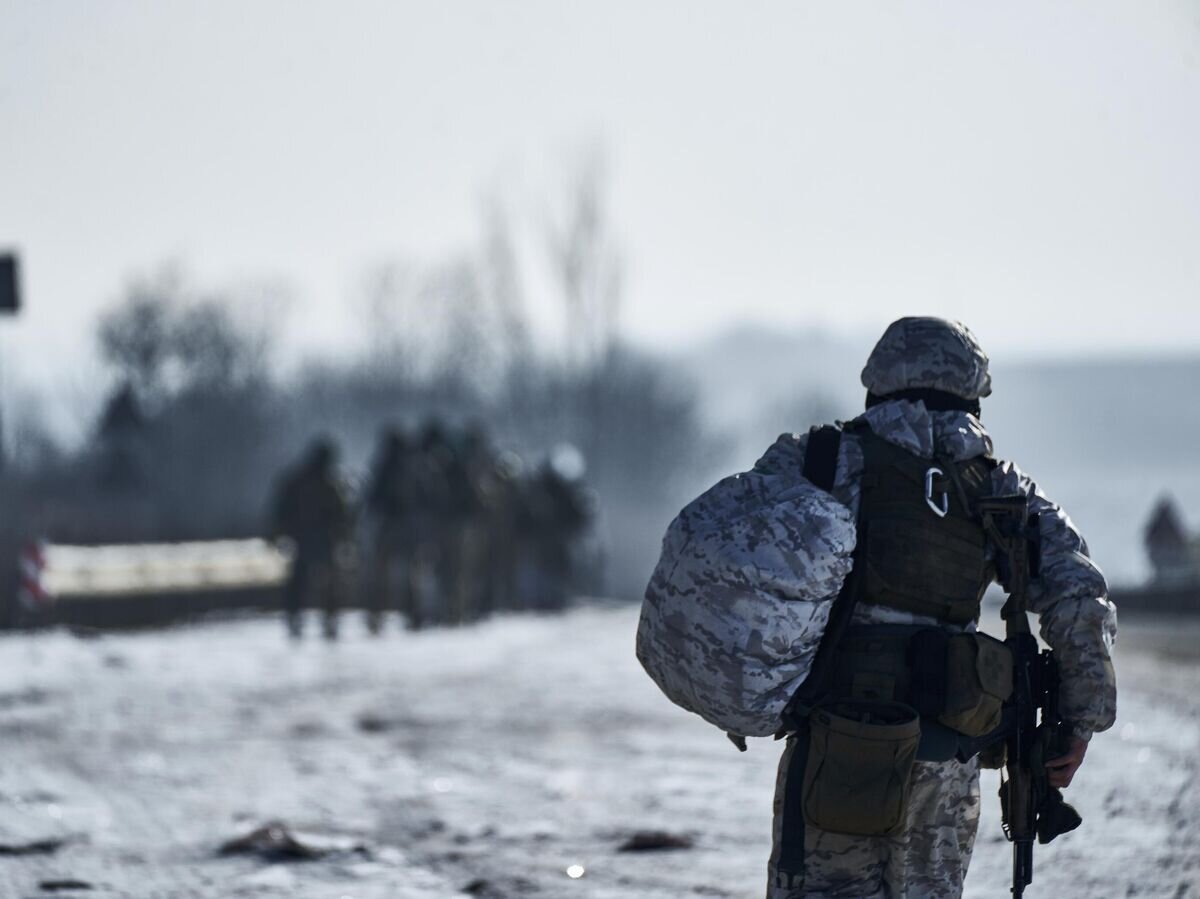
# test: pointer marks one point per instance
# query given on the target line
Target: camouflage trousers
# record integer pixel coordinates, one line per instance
(927, 860)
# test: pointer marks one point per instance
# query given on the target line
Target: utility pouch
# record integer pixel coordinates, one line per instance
(859, 770)
(979, 680)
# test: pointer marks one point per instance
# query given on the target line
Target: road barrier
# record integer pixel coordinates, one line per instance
(140, 584)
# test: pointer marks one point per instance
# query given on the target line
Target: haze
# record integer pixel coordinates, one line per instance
(1029, 168)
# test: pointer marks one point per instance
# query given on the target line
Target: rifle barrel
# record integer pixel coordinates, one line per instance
(1022, 866)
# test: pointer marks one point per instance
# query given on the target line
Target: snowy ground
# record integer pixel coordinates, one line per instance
(491, 758)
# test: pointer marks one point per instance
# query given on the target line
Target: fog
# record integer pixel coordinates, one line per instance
(1030, 171)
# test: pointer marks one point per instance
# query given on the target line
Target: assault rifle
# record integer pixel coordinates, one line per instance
(1029, 805)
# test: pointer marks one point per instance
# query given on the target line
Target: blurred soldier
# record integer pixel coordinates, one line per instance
(310, 510)
(915, 468)
(500, 491)
(556, 513)
(470, 476)
(431, 494)
(389, 511)
(121, 437)
(124, 508)
(1173, 553)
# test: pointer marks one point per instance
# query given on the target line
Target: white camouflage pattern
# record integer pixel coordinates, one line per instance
(1075, 616)
(706, 583)
(747, 577)
(928, 859)
(740, 598)
(931, 353)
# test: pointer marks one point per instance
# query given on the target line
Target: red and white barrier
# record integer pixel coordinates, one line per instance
(31, 568)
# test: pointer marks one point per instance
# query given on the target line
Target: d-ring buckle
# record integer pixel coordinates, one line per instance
(939, 511)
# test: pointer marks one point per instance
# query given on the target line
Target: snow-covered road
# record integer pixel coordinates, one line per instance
(493, 759)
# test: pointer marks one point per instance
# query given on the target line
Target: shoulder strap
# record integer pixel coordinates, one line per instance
(820, 676)
(821, 456)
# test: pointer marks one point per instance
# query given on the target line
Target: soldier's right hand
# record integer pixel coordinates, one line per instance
(1061, 770)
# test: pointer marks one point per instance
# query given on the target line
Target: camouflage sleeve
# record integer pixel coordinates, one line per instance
(1070, 598)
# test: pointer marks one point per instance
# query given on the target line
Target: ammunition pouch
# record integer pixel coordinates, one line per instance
(957, 682)
(979, 680)
(859, 768)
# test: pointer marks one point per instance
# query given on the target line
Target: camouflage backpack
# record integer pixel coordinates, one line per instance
(737, 604)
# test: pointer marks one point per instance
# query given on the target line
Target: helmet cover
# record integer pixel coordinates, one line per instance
(929, 353)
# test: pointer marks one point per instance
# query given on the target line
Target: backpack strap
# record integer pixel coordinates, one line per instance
(821, 461)
(821, 456)
(820, 468)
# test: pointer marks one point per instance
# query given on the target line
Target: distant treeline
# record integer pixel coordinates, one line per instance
(198, 422)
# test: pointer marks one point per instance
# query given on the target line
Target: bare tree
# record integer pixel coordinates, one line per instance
(135, 336)
(503, 285)
(165, 340)
(587, 265)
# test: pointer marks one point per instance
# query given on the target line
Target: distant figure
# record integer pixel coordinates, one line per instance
(311, 511)
(556, 514)
(499, 486)
(431, 569)
(1174, 554)
(389, 507)
(468, 538)
(123, 508)
(120, 437)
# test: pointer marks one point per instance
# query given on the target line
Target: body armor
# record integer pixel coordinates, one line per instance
(924, 550)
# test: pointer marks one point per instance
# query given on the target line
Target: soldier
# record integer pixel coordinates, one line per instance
(500, 491)
(484, 533)
(430, 572)
(912, 469)
(122, 439)
(389, 508)
(556, 513)
(310, 510)
(1172, 551)
(465, 537)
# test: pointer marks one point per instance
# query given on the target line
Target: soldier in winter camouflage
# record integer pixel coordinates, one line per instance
(929, 856)
(751, 571)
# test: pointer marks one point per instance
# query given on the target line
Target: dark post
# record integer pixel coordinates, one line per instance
(10, 294)
(10, 304)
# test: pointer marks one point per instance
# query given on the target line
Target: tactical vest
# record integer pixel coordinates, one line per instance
(924, 552)
(880, 697)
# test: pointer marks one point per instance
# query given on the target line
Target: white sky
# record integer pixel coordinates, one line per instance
(1030, 167)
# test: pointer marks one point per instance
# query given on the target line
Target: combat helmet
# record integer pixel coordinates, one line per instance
(927, 354)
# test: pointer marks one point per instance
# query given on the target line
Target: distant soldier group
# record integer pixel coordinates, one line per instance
(448, 531)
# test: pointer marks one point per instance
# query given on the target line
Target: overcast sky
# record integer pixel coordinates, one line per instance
(1030, 167)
